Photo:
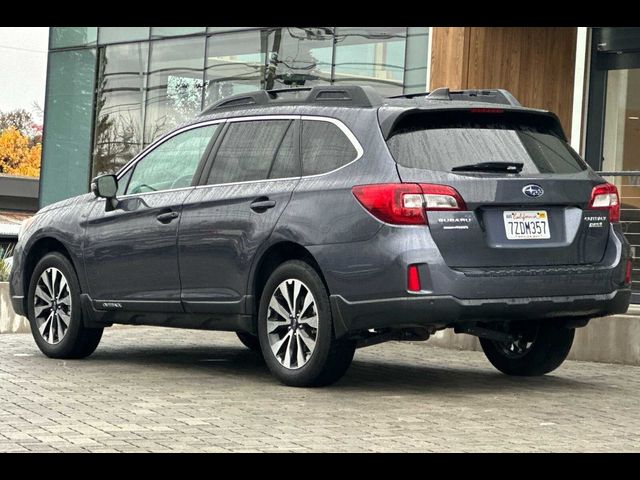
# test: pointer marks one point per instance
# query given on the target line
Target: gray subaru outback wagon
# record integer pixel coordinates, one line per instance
(314, 221)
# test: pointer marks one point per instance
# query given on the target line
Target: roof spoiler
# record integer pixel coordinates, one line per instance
(497, 95)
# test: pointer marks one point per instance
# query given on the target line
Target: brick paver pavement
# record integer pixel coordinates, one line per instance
(162, 390)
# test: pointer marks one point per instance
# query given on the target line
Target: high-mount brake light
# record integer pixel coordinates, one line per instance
(486, 110)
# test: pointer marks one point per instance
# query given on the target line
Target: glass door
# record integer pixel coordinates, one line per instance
(621, 155)
(613, 125)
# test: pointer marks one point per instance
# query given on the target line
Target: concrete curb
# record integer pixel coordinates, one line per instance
(9, 321)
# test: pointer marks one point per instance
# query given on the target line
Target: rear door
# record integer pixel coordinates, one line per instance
(249, 182)
(538, 216)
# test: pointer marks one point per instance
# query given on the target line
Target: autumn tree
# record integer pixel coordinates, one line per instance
(20, 143)
(17, 154)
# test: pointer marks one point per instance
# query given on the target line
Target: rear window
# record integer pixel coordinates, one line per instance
(444, 140)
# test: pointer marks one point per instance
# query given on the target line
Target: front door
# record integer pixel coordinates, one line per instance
(131, 252)
(226, 220)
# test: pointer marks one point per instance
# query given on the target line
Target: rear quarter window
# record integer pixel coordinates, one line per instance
(325, 147)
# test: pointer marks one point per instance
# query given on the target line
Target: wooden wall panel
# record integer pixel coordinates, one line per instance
(449, 57)
(536, 64)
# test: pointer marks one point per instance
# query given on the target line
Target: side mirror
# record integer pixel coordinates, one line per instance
(106, 186)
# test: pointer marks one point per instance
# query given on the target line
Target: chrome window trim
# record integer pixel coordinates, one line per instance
(338, 123)
(347, 132)
(159, 142)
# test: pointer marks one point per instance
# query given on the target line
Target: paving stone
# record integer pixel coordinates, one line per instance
(165, 390)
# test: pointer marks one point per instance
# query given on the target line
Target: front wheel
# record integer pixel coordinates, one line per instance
(54, 310)
(295, 328)
(537, 348)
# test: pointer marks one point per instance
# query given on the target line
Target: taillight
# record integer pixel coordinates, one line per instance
(405, 203)
(605, 197)
(441, 197)
(627, 272)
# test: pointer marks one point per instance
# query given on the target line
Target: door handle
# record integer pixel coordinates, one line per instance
(262, 204)
(167, 217)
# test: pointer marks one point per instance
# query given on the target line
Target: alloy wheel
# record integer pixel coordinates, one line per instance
(52, 305)
(292, 324)
(517, 348)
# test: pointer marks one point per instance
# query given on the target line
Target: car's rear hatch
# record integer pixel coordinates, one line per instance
(538, 216)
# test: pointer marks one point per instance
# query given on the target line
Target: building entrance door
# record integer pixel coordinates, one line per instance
(613, 129)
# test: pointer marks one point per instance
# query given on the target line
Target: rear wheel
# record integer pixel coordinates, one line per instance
(54, 310)
(295, 328)
(537, 348)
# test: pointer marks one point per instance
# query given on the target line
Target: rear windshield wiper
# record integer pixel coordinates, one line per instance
(508, 167)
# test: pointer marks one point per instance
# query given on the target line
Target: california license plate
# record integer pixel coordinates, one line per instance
(526, 225)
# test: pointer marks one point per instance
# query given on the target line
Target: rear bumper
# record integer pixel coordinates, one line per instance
(447, 310)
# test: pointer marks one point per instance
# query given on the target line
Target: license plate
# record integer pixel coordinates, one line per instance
(526, 225)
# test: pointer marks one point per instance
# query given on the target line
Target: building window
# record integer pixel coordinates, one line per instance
(149, 84)
(122, 34)
(63, 37)
(371, 56)
(119, 105)
(297, 56)
(235, 64)
(416, 60)
(162, 32)
(174, 89)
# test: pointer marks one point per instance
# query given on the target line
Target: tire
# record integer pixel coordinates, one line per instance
(316, 357)
(250, 341)
(548, 346)
(54, 340)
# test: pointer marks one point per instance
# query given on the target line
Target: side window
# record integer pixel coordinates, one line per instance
(173, 163)
(249, 149)
(324, 147)
(123, 181)
(286, 164)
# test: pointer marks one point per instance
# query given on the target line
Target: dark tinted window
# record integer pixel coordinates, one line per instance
(249, 149)
(286, 163)
(324, 147)
(443, 142)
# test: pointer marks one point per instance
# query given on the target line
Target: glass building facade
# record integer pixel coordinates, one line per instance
(113, 90)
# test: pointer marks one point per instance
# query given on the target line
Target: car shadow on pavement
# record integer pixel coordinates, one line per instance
(378, 376)
(364, 374)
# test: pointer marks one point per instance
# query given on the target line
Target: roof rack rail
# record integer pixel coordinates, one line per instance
(334, 95)
(497, 95)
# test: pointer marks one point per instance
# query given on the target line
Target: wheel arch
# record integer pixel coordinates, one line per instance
(39, 249)
(271, 258)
